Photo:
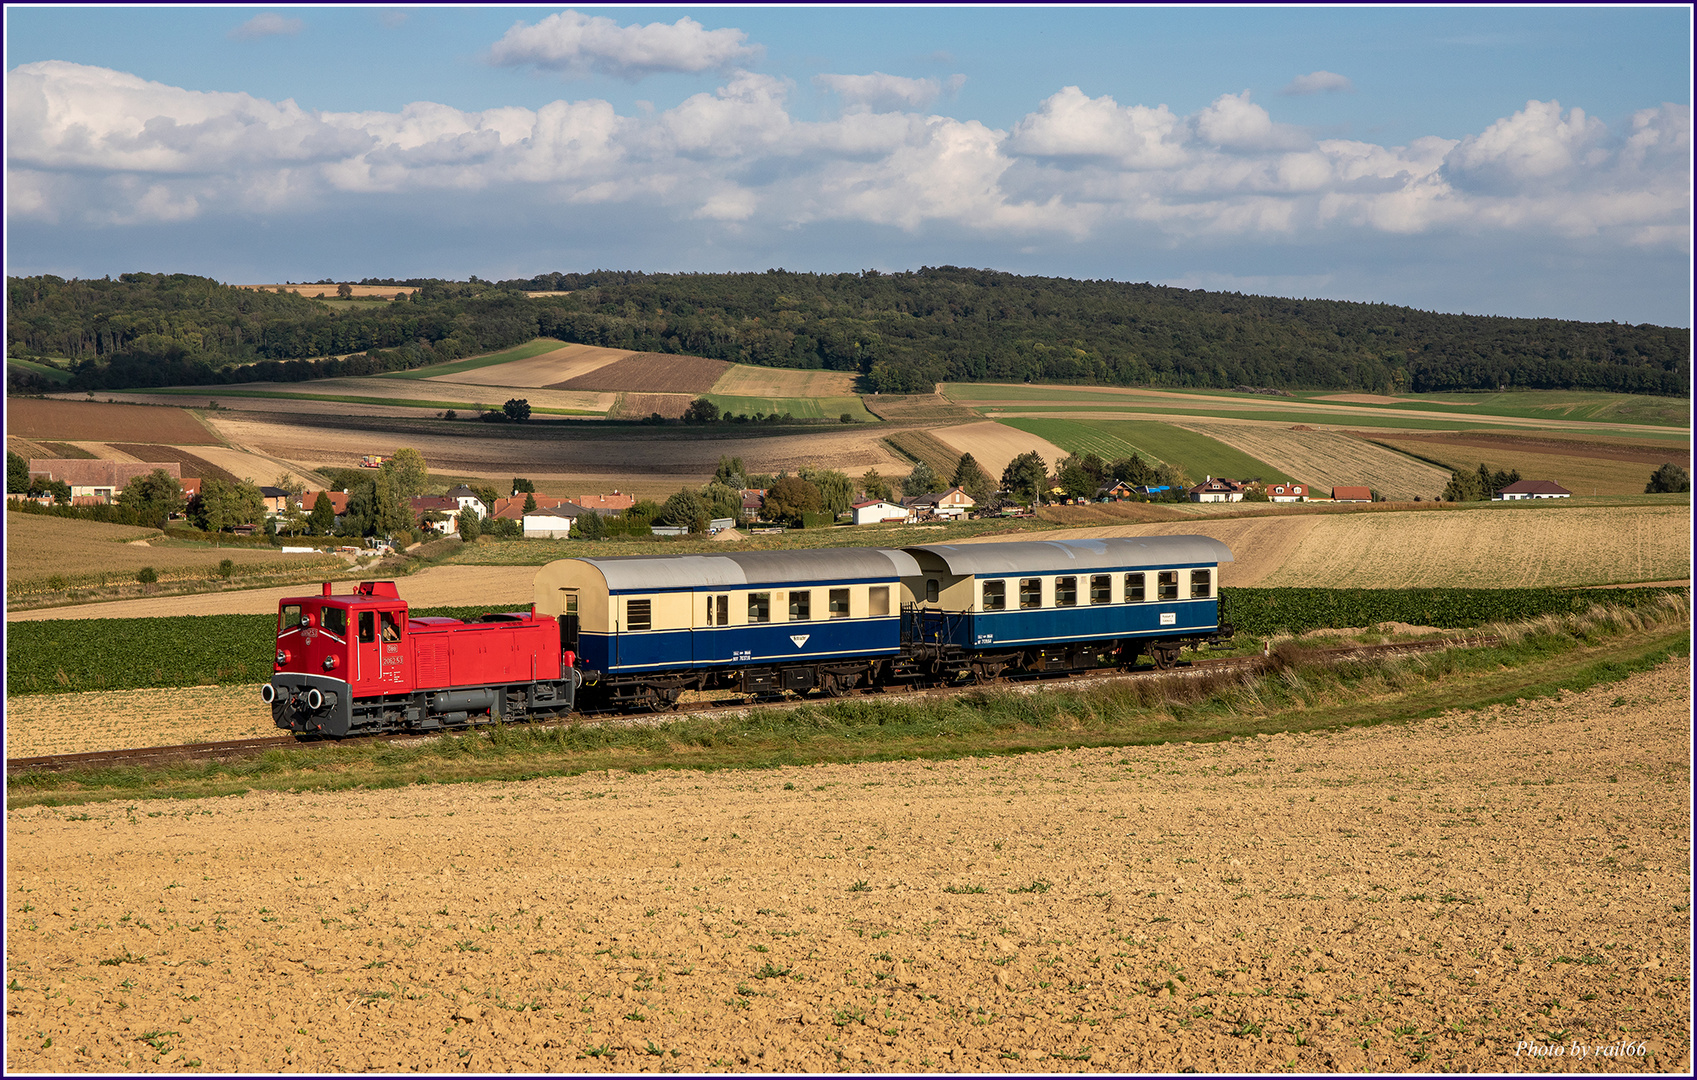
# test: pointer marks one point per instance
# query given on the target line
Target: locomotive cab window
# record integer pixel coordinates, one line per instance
(1066, 591)
(995, 596)
(801, 605)
(1101, 588)
(391, 630)
(639, 614)
(335, 620)
(1030, 592)
(1134, 589)
(878, 600)
(1168, 585)
(1201, 583)
(839, 603)
(368, 626)
(759, 607)
(291, 617)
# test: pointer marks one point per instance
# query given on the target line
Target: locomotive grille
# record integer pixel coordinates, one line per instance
(432, 659)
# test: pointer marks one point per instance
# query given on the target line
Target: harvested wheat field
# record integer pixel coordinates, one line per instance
(643, 406)
(746, 380)
(545, 369)
(652, 373)
(73, 421)
(331, 292)
(42, 724)
(1326, 459)
(1444, 896)
(1583, 467)
(993, 445)
(930, 409)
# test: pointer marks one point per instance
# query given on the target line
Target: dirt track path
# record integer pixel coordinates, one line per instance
(1438, 897)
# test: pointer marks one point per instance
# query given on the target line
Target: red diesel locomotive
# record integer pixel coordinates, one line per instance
(355, 664)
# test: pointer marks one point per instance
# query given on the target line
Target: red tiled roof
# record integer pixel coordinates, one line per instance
(602, 504)
(338, 500)
(1352, 494)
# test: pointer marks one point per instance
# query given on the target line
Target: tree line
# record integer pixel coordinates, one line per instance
(899, 332)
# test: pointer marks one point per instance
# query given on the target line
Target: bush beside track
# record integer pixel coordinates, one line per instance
(73, 655)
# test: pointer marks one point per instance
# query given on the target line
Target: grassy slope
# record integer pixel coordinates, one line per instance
(800, 408)
(1113, 439)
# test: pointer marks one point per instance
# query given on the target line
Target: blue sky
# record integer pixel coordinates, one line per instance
(1515, 161)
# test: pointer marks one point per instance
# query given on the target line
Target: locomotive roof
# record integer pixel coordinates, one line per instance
(1059, 556)
(658, 573)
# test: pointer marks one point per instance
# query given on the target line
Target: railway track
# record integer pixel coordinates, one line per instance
(240, 749)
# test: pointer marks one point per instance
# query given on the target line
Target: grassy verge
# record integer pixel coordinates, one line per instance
(1304, 692)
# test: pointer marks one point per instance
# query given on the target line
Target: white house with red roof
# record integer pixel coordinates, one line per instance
(1217, 489)
(878, 512)
(1533, 489)
(1287, 492)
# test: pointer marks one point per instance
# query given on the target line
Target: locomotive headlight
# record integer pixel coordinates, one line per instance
(282, 657)
(329, 663)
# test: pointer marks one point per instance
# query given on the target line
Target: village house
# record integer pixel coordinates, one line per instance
(338, 502)
(276, 500)
(1118, 491)
(553, 523)
(1287, 492)
(94, 480)
(512, 509)
(450, 509)
(467, 499)
(753, 499)
(607, 505)
(1217, 489)
(878, 512)
(1352, 494)
(1533, 489)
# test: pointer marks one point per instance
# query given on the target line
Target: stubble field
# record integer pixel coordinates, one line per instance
(544, 369)
(994, 445)
(1435, 897)
(1325, 459)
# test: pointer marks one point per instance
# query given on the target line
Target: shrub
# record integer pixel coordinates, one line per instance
(226, 567)
(147, 575)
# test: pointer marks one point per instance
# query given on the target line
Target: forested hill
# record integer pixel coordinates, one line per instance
(902, 331)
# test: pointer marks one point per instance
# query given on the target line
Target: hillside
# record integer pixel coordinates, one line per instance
(900, 333)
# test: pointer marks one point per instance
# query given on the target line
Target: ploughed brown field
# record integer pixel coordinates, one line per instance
(652, 373)
(192, 464)
(1584, 467)
(1466, 893)
(76, 421)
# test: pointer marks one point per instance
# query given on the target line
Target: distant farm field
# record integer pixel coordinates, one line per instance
(802, 408)
(386, 292)
(544, 362)
(78, 421)
(924, 446)
(919, 408)
(1325, 459)
(1197, 454)
(1585, 468)
(994, 445)
(190, 464)
(652, 373)
(81, 553)
(747, 380)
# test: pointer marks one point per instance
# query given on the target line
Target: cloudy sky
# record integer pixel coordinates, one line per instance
(1512, 161)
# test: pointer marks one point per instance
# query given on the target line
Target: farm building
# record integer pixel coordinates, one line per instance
(95, 478)
(1533, 489)
(877, 512)
(950, 504)
(1287, 492)
(1217, 489)
(1118, 491)
(554, 523)
(607, 505)
(1352, 494)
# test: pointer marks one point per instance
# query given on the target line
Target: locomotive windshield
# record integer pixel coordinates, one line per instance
(291, 617)
(335, 620)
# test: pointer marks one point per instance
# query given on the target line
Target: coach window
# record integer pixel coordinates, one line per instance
(930, 590)
(571, 601)
(801, 605)
(1066, 591)
(1134, 589)
(368, 626)
(838, 603)
(1030, 592)
(1101, 588)
(995, 596)
(721, 604)
(639, 614)
(1200, 584)
(878, 600)
(759, 607)
(291, 617)
(1168, 585)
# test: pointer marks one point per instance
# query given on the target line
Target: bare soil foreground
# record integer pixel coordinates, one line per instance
(1471, 893)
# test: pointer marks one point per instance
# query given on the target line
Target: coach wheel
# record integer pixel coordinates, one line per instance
(832, 685)
(1165, 657)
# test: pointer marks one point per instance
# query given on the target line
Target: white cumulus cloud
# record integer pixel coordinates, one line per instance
(577, 45)
(887, 93)
(1319, 82)
(270, 24)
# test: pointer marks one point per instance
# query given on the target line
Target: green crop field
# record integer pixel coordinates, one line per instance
(529, 349)
(47, 371)
(1111, 440)
(822, 408)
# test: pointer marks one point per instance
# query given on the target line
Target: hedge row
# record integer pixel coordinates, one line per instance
(66, 655)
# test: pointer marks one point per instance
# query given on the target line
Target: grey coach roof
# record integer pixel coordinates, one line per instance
(659, 573)
(1059, 556)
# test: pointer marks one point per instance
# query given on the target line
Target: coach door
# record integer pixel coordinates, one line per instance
(713, 637)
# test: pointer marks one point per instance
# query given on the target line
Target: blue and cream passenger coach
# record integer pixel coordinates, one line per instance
(1067, 604)
(646, 628)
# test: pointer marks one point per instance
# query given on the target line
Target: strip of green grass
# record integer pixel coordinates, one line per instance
(1307, 695)
(47, 371)
(534, 347)
(821, 408)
